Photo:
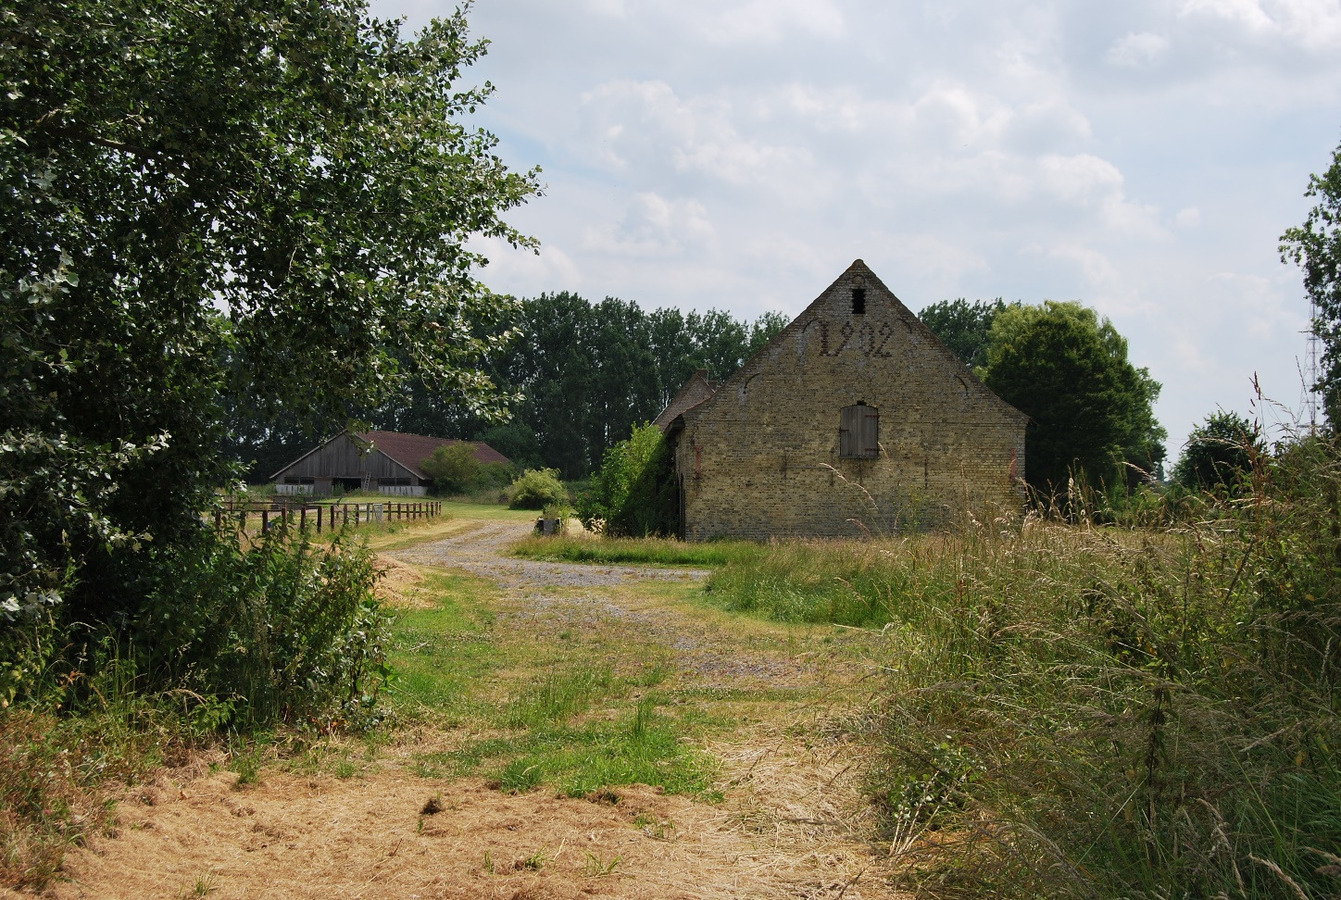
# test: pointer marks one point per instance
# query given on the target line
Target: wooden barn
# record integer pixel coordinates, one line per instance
(384, 461)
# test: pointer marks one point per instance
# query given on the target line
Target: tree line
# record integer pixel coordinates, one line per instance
(579, 376)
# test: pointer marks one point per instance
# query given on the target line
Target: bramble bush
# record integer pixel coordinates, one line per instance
(285, 631)
(282, 631)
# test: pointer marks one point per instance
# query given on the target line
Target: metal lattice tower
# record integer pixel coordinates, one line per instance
(1311, 368)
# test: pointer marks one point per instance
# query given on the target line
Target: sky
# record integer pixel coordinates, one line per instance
(1141, 157)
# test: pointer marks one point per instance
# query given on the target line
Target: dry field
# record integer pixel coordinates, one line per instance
(372, 819)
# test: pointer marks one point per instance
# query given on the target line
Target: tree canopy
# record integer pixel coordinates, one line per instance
(1315, 247)
(1219, 452)
(584, 373)
(1067, 369)
(590, 372)
(964, 327)
(262, 203)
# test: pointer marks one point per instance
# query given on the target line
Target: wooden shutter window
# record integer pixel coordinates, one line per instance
(859, 432)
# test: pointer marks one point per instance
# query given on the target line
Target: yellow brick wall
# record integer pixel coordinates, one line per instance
(760, 458)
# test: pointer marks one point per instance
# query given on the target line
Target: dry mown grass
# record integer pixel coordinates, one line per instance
(347, 817)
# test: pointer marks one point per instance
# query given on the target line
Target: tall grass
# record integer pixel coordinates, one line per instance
(1103, 712)
(56, 767)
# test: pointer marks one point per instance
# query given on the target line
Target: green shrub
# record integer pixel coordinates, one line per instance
(283, 631)
(453, 468)
(634, 493)
(536, 489)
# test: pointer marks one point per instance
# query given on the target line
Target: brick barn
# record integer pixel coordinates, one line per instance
(384, 461)
(855, 419)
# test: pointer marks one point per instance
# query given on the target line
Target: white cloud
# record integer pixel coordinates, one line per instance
(1091, 183)
(1312, 24)
(954, 115)
(1046, 124)
(653, 226)
(728, 157)
(1247, 13)
(1188, 217)
(1254, 304)
(1083, 179)
(1098, 270)
(769, 21)
(525, 272)
(932, 258)
(630, 120)
(844, 109)
(1138, 51)
(613, 8)
(646, 126)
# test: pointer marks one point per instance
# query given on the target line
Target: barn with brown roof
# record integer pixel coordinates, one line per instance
(388, 462)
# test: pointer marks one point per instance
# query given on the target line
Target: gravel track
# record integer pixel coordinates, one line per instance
(551, 598)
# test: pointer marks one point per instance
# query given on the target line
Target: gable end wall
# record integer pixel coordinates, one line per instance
(761, 457)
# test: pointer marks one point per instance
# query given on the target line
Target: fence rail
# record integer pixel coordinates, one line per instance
(322, 515)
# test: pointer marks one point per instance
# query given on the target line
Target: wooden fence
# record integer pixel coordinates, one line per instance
(329, 516)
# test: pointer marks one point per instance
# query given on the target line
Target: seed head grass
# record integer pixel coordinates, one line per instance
(1100, 711)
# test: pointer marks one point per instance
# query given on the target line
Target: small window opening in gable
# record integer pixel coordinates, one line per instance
(859, 301)
(859, 432)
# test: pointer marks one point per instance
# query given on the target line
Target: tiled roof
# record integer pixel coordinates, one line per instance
(412, 449)
(697, 389)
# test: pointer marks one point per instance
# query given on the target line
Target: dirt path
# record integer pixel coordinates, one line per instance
(792, 824)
